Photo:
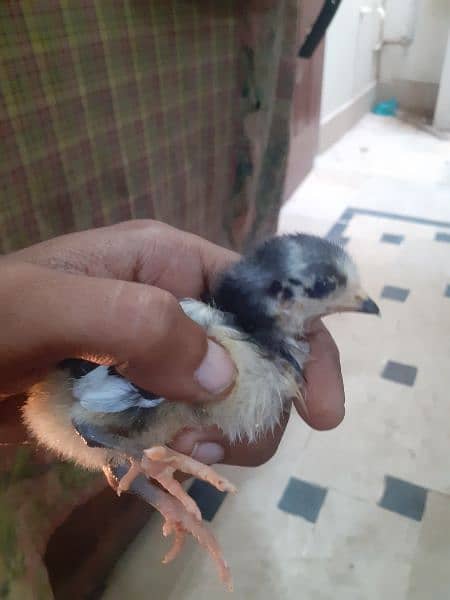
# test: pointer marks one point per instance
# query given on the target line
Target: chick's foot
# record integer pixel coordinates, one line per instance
(180, 517)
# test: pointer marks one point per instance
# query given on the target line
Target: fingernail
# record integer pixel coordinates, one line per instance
(208, 453)
(217, 371)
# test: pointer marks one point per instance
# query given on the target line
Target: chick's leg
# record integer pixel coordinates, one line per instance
(177, 520)
(181, 462)
(160, 463)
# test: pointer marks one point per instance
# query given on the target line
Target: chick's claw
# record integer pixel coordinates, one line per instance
(188, 465)
(180, 522)
(180, 512)
(160, 463)
(163, 474)
(125, 482)
(180, 538)
(177, 519)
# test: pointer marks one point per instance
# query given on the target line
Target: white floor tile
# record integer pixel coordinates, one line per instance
(356, 550)
(430, 575)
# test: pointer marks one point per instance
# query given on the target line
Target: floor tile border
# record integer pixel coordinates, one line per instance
(338, 229)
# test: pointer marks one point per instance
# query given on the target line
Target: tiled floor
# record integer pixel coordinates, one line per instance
(362, 512)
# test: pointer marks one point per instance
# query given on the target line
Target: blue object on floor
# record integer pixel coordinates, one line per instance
(442, 237)
(447, 291)
(400, 373)
(208, 499)
(392, 238)
(387, 108)
(404, 498)
(391, 292)
(302, 499)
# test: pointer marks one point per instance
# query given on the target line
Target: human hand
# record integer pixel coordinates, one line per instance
(110, 295)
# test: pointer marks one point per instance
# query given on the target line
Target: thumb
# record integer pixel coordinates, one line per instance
(138, 327)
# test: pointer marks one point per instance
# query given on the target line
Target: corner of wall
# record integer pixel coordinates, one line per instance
(335, 125)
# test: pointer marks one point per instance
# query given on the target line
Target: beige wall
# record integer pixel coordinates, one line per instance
(409, 64)
(412, 72)
(441, 119)
(349, 79)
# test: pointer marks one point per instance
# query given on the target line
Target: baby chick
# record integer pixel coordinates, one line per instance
(259, 310)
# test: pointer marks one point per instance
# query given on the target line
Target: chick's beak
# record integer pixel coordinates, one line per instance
(368, 306)
(360, 302)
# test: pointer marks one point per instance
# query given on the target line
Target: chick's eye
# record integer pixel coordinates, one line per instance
(275, 288)
(322, 287)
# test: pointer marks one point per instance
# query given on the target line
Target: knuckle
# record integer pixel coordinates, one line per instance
(144, 226)
(325, 345)
(330, 347)
(134, 224)
(147, 314)
(164, 311)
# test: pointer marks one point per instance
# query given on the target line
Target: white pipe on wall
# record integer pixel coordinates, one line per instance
(442, 113)
(410, 30)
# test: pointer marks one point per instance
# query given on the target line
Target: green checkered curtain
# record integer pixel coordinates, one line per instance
(173, 110)
(110, 110)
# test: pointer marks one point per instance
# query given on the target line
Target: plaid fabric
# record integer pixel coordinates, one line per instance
(168, 109)
(177, 110)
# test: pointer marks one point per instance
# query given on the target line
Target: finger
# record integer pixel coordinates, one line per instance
(144, 251)
(165, 253)
(211, 446)
(324, 394)
(139, 327)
